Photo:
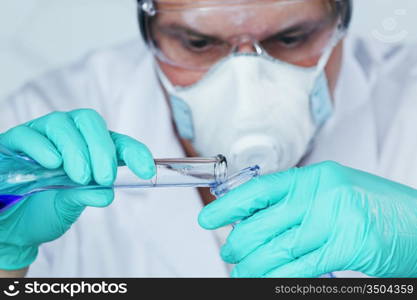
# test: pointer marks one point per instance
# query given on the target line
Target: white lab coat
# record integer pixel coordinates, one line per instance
(155, 232)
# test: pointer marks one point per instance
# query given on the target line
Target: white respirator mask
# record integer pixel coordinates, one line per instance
(254, 109)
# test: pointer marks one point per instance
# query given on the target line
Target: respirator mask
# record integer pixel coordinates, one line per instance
(261, 100)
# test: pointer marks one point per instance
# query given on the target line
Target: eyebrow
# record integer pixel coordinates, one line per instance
(302, 26)
(182, 29)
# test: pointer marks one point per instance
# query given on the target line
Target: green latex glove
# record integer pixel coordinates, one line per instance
(310, 221)
(80, 142)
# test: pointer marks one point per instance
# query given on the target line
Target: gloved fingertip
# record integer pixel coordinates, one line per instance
(49, 159)
(78, 175)
(87, 177)
(106, 197)
(235, 273)
(143, 167)
(145, 164)
(105, 174)
(227, 255)
(98, 197)
(76, 179)
(51, 162)
(113, 172)
(204, 220)
(152, 169)
(146, 171)
(105, 180)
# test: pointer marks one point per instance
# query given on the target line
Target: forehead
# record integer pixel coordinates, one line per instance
(181, 5)
(233, 17)
(219, 2)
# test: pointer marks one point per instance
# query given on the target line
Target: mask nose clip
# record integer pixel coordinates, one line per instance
(258, 48)
(246, 44)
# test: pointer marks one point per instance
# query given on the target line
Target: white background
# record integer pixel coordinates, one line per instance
(37, 35)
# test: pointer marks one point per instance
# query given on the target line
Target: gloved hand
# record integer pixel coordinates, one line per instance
(310, 221)
(81, 142)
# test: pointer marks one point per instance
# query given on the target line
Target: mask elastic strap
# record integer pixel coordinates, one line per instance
(328, 51)
(164, 80)
(181, 112)
(320, 103)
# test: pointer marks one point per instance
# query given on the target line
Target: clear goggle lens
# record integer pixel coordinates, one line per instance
(197, 34)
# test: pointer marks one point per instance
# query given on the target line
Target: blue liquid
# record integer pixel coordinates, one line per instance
(8, 200)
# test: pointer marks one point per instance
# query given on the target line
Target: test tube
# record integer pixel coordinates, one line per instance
(178, 172)
(21, 177)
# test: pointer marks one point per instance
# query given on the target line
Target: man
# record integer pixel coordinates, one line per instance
(266, 82)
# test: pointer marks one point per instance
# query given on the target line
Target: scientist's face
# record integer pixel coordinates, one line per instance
(195, 39)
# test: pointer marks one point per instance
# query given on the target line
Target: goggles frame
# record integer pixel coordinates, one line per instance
(147, 9)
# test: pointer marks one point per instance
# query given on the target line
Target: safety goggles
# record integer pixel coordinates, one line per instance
(196, 34)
